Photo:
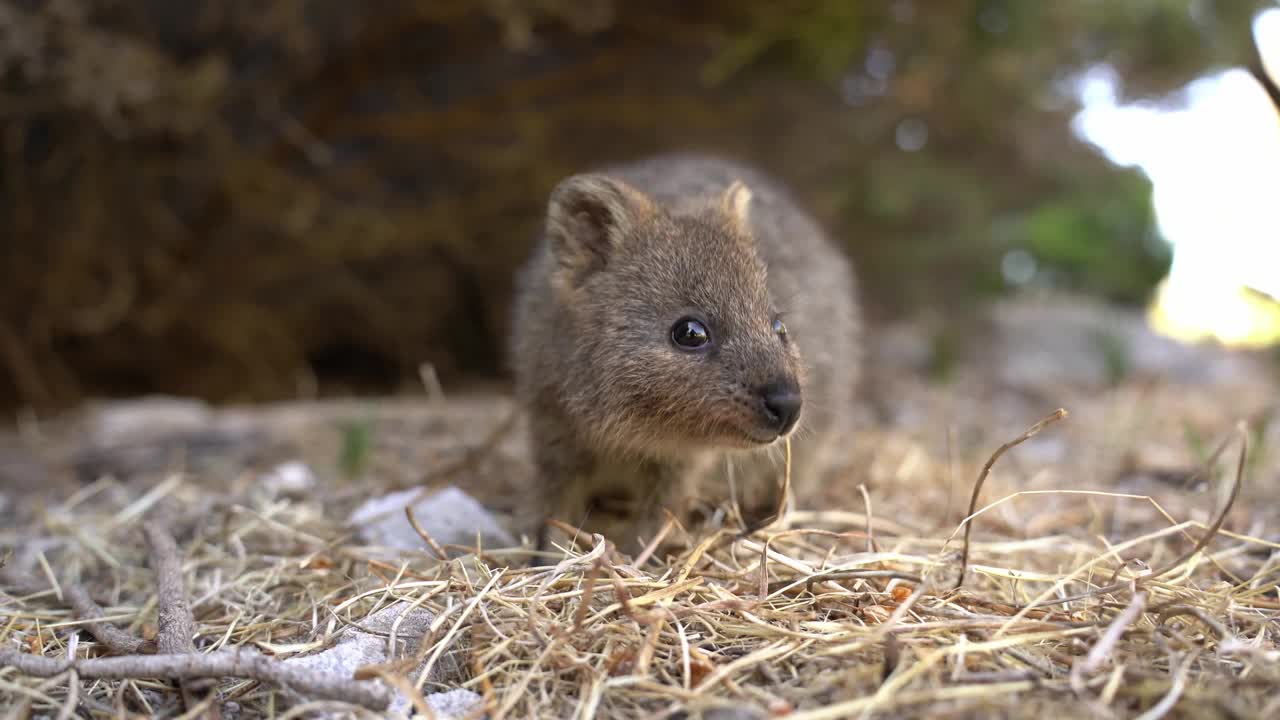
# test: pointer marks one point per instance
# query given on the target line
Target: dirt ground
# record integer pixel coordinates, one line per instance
(1092, 588)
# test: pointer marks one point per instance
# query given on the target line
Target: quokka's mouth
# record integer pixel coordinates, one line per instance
(741, 433)
(762, 436)
(759, 438)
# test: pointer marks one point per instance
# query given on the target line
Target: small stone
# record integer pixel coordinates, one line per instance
(291, 479)
(453, 704)
(450, 516)
(356, 648)
(149, 435)
(122, 421)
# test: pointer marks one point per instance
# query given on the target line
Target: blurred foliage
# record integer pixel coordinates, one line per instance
(239, 199)
(1117, 356)
(1101, 239)
(357, 440)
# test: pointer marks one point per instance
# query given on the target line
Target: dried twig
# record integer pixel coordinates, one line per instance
(1176, 689)
(240, 662)
(1181, 609)
(119, 641)
(470, 457)
(422, 533)
(1212, 531)
(1243, 431)
(866, 502)
(588, 590)
(1107, 643)
(87, 611)
(982, 478)
(864, 574)
(177, 625)
(653, 545)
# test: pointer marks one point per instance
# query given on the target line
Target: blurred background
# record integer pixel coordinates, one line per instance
(248, 201)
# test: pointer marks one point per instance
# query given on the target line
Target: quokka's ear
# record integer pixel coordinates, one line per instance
(736, 203)
(588, 218)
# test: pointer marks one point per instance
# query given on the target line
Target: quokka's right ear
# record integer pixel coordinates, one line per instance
(588, 219)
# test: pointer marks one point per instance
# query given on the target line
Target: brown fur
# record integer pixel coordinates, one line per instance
(622, 421)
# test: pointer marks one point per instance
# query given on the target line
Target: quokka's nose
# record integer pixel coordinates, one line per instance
(781, 406)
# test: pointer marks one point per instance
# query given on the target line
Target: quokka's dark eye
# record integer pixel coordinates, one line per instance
(690, 334)
(779, 329)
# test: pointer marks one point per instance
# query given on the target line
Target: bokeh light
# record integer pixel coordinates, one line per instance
(1214, 162)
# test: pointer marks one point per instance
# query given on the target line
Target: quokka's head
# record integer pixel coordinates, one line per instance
(675, 342)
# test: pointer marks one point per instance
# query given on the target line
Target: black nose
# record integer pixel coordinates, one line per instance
(781, 406)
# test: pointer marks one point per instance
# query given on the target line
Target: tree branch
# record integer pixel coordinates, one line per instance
(240, 662)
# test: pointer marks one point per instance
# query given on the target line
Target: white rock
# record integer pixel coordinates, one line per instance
(450, 516)
(291, 478)
(453, 704)
(356, 648)
(120, 421)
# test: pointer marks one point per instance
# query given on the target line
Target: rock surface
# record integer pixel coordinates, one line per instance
(450, 516)
(1084, 343)
(357, 648)
(453, 704)
(158, 434)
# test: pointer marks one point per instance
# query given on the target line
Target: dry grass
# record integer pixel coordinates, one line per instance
(1078, 600)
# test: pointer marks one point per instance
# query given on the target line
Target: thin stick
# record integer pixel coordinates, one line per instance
(652, 547)
(1176, 689)
(1212, 532)
(588, 589)
(402, 683)
(72, 700)
(177, 625)
(469, 458)
(1102, 650)
(764, 570)
(422, 533)
(786, 481)
(1031, 432)
(866, 501)
(842, 574)
(1173, 611)
(87, 611)
(241, 663)
(119, 641)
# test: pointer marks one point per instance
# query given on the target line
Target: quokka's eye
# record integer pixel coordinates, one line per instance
(779, 329)
(690, 334)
